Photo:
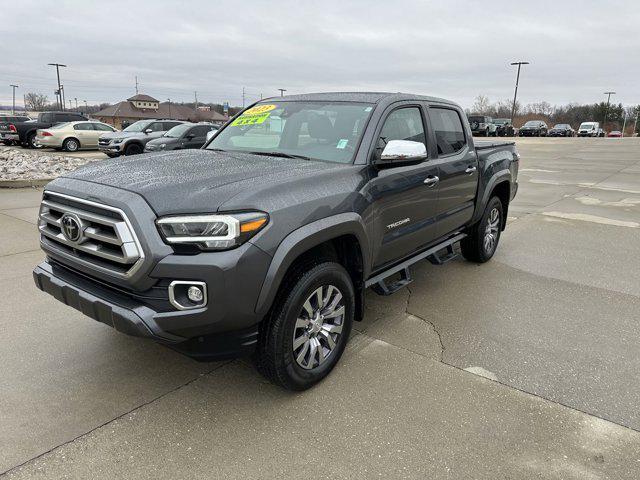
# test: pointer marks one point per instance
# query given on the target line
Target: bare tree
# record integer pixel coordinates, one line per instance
(36, 101)
(482, 105)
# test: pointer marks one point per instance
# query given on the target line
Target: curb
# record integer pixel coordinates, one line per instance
(35, 183)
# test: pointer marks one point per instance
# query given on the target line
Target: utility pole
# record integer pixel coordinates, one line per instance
(282, 90)
(515, 94)
(624, 124)
(62, 96)
(243, 97)
(86, 108)
(136, 85)
(70, 105)
(169, 107)
(195, 94)
(76, 99)
(13, 105)
(606, 110)
(58, 65)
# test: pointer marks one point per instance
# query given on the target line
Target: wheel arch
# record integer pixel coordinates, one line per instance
(340, 238)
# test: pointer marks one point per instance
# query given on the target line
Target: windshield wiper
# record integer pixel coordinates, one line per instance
(281, 155)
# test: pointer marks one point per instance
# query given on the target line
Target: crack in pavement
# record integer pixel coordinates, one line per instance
(431, 324)
(138, 407)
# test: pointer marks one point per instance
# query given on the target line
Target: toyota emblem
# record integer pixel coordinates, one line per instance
(71, 227)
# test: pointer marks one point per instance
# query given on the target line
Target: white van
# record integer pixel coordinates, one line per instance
(588, 129)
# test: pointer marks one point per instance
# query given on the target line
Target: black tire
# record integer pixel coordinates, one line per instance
(474, 248)
(31, 140)
(275, 357)
(71, 145)
(112, 155)
(133, 149)
(8, 143)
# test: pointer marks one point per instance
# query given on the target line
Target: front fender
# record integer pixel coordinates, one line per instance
(483, 197)
(303, 239)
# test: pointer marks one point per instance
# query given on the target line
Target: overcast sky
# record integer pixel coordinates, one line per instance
(452, 49)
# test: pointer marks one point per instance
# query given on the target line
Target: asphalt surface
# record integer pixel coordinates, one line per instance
(551, 322)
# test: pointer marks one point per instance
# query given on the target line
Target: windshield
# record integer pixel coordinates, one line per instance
(561, 126)
(138, 126)
(178, 130)
(532, 123)
(586, 126)
(328, 131)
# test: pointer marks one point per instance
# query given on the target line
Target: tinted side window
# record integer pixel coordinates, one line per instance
(448, 129)
(200, 131)
(403, 124)
(102, 127)
(83, 126)
(157, 127)
(47, 118)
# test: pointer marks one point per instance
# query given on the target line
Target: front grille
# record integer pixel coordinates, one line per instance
(97, 235)
(103, 141)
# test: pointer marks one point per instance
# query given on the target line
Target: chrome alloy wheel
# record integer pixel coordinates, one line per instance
(491, 231)
(318, 327)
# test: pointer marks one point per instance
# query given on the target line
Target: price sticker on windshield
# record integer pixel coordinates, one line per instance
(250, 120)
(258, 110)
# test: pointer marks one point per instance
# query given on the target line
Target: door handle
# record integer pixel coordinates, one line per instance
(470, 170)
(431, 181)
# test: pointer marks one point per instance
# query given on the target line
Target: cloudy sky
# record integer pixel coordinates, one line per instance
(453, 49)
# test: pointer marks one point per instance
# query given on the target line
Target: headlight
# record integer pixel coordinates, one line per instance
(212, 232)
(117, 140)
(162, 146)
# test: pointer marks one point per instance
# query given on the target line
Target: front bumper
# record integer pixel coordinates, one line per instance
(111, 148)
(130, 316)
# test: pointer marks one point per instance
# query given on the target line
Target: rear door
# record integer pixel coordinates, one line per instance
(458, 169)
(404, 205)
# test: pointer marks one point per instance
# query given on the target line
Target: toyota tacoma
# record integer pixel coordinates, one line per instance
(264, 241)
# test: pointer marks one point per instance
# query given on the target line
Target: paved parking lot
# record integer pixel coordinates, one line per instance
(525, 367)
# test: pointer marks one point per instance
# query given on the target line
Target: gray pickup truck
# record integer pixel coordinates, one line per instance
(264, 241)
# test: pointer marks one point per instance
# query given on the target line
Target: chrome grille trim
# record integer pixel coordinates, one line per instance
(107, 238)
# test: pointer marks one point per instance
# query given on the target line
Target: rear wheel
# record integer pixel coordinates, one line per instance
(307, 330)
(482, 240)
(31, 141)
(70, 145)
(133, 149)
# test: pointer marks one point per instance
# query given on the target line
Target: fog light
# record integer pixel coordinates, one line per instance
(195, 294)
(185, 295)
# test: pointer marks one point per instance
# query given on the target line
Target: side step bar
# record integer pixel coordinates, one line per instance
(379, 282)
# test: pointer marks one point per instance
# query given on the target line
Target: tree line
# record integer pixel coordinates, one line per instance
(573, 113)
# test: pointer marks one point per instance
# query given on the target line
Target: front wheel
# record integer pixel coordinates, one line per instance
(307, 330)
(482, 240)
(133, 149)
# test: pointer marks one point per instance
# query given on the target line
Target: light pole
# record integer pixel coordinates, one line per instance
(58, 65)
(76, 99)
(282, 90)
(515, 94)
(169, 107)
(606, 110)
(13, 105)
(86, 108)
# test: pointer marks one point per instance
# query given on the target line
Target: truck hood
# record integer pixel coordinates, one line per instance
(200, 181)
(112, 135)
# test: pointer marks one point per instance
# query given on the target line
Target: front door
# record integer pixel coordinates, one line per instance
(404, 205)
(458, 164)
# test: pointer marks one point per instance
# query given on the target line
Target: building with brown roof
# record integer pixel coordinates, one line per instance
(140, 107)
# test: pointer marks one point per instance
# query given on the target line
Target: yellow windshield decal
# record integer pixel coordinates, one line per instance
(250, 120)
(258, 109)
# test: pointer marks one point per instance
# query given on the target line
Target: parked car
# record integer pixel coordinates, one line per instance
(133, 139)
(8, 130)
(615, 134)
(184, 136)
(482, 125)
(533, 128)
(504, 127)
(265, 240)
(562, 130)
(589, 129)
(73, 136)
(27, 130)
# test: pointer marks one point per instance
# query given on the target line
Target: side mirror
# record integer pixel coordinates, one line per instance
(148, 131)
(402, 151)
(191, 136)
